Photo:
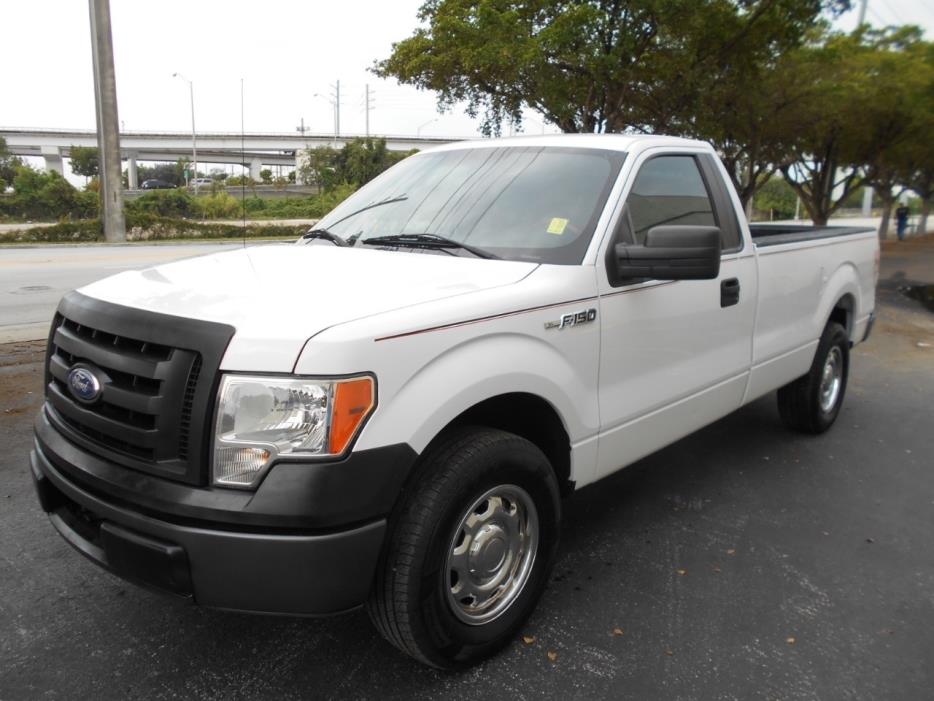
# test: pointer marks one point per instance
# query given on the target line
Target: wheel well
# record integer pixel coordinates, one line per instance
(843, 313)
(531, 417)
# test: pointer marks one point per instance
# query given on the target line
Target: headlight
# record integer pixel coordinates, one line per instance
(262, 418)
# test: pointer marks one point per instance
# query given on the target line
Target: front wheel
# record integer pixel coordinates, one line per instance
(469, 550)
(811, 403)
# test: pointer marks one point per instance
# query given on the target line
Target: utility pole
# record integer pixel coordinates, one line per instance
(862, 12)
(194, 139)
(108, 135)
(336, 99)
(367, 106)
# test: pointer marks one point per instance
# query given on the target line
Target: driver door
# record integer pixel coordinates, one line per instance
(675, 355)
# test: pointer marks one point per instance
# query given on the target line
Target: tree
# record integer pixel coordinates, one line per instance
(358, 162)
(316, 167)
(823, 160)
(8, 165)
(921, 180)
(897, 119)
(47, 195)
(361, 160)
(858, 119)
(776, 198)
(266, 176)
(590, 65)
(919, 158)
(85, 161)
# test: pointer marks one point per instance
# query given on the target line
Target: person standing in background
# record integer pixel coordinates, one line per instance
(901, 221)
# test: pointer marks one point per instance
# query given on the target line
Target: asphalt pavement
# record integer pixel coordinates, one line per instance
(743, 562)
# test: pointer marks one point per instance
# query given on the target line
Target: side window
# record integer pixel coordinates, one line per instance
(668, 190)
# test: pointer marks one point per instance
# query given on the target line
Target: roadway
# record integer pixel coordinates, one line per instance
(33, 280)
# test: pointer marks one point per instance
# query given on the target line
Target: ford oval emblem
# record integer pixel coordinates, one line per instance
(84, 384)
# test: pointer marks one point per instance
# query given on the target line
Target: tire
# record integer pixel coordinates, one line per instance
(811, 403)
(418, 600)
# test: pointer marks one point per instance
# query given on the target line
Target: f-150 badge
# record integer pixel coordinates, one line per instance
(573, 319)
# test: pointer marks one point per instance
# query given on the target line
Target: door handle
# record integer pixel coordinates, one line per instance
(729, 292)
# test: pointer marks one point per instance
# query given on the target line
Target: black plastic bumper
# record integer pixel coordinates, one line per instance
(208, 545)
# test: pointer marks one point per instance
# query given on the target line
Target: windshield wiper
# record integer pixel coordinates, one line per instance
(427, 241)
(325, 235)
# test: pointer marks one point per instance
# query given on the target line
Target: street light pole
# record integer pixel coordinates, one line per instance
(194, 139)
(418, 131)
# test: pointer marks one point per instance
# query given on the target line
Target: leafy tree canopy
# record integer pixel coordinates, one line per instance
(358, 162)
(85, 161)
(591, 65)
(8, 165)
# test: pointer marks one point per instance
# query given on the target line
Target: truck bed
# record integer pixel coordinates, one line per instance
(775, 234)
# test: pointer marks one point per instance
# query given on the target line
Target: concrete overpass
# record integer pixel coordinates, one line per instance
(258, 149)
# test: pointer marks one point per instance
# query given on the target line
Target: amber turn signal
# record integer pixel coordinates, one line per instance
(353, 402)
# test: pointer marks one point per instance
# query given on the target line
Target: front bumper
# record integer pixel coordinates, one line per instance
(306, 543)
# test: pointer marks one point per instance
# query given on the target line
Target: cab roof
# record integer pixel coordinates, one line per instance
(610, 142)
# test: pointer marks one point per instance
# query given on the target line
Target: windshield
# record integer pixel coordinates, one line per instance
(536, 204)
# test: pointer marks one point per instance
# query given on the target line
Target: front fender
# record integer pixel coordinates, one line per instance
(475, 369)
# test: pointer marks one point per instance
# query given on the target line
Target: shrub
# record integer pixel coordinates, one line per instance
(87, 204)
(218, 206)
(254, 204)
(48, 196)
(147, 227)
(163, 203)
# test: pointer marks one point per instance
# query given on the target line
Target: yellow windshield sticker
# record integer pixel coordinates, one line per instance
(557, 226)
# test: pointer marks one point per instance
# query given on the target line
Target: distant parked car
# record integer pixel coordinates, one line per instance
(202, 182)
(155, 184)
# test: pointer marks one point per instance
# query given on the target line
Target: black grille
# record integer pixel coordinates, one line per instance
(155, 400)
(184, 426)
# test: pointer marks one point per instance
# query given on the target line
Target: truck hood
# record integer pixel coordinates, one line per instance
(279, 296)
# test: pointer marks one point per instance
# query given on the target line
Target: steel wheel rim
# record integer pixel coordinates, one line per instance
(491, 554)
(831, 379)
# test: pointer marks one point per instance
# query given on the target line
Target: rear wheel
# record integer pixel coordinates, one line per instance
(469, 551)
(811, 403)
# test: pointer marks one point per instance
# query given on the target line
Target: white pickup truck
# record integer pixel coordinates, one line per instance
(388, 412)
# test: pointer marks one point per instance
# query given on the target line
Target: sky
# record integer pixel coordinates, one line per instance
(289, 54)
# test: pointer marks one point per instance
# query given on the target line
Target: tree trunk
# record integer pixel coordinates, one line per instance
(925, 211)
(886, 217)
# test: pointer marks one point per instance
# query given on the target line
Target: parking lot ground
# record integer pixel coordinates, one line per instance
(743, 562)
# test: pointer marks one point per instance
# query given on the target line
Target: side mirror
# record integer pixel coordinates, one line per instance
(679, 252)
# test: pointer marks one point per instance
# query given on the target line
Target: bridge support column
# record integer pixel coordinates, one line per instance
(256, 165)
(132, 174)
(53, 159)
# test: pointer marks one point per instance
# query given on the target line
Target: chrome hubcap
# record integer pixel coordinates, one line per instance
(831, 379)
(491, 554)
